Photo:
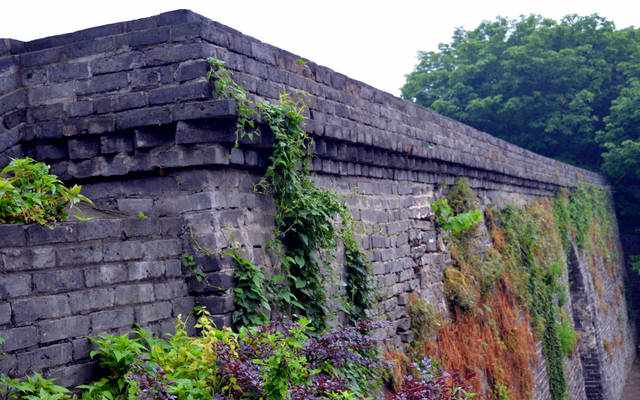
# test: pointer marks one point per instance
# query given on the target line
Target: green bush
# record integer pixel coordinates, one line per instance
(449, 221)
(30, 194)
(277, 361)
(34, 387)
(568, 337)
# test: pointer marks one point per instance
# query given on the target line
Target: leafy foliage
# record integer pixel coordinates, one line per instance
(277, 361)
(425, 380)
(34, 387)
(225, 86)
(568, 337)
(249, 293)
(30, 194)
(450, 222)
(567, 89)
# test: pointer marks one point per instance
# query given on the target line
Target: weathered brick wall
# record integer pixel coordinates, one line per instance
(61, 285)
(126, 110)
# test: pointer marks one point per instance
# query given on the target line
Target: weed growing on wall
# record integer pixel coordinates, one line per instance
(225, 86)
(520, 274)
(305, 214)
(30, 194)
(249, 292)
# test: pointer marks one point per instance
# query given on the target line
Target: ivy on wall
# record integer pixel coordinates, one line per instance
(305, 231)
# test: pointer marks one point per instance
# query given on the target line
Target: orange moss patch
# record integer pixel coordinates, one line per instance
(494, 344)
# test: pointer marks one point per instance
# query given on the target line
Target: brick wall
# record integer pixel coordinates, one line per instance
(76, 280)
(125, 110)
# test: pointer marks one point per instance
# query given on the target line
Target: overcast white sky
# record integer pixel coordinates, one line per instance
(372, 41)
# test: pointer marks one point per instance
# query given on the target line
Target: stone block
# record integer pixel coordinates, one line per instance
(186, 91)
(134, 294)
(147, 137)
(68, 71)
(103, 275)
(92, 299)
(153, 312)
(43, 358)
(143, 270)
(191, 70)
(170, 290)
(121, 102)
(99, 229)
(36, 308)
(134, 206)
(143, 117)
(111, 144)
(81, 254)
(83, 148)
(103, 83)
(58, 329)
(5, 313)
(15, 285)
(19, 338)
(112, 319)
(58, 281)
(216, 304)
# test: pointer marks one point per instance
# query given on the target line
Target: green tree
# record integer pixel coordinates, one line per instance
(567, 89)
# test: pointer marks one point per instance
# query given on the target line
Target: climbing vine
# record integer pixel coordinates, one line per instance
(250, 292)
(305, 214)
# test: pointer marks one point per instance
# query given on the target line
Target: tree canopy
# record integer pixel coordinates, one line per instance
(567, 89)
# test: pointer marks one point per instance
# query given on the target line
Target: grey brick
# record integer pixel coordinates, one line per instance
(134, 206)
(81, 254)
(148, 37)
(19, 338)
(217, 304)
(183, 92)
(99, 229)
(142, 270)
(104, 83)
(182, 306)
(42, 235)
(146, 137)
(134, 294)
(191, 70)
(68, 71)
(15, 285)
(58, 329)
(173, 268)
(32, 309)
(110, 144)
(89, 125)
(170, 290)
(121, 102)
(111, 319)
(81, 348)
(92, 299)
(43, 358)
(5, 313)
(78, 108)
(51, 151)
(153, 312)
(204, 109)
(58, 281)
(102, 275)
(73, 375)
(116, 63)
(85, 147)
(124, 251)
(143, 117)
